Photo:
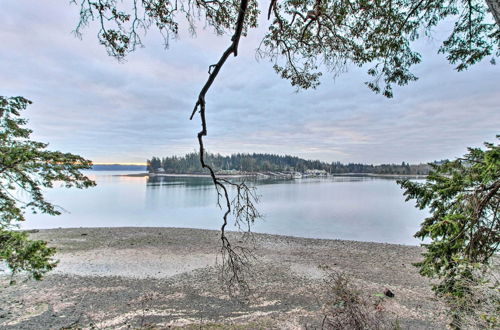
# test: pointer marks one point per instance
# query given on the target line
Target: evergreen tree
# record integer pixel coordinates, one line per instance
(463, 197)
(26, 167)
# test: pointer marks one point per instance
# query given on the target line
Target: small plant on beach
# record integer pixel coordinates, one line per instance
(347, 308)
(26, 167)
(464, 227)
(480, 307)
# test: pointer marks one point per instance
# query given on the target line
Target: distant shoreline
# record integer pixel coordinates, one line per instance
(408, 176)
(192, 175)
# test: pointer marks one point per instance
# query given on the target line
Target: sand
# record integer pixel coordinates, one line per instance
(168, 277)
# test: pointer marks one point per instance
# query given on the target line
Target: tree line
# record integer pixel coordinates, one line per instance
(190, 164)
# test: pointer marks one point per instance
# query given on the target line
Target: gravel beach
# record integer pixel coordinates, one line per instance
(160, 278)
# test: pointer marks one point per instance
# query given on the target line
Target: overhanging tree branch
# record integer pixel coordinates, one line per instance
(234, 259)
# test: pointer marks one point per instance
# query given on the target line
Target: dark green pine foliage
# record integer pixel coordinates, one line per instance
(27, 167)
(464, 228)
(190, 164)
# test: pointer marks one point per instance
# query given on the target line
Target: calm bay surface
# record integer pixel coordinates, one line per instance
(349, 208)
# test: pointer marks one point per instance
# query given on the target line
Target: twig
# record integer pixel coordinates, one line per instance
(272, 5)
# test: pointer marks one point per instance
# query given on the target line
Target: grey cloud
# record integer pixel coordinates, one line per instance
(86, 102)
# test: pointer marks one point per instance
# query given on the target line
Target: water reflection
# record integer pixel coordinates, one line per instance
(355, 208)
(204, 182)
(196, 182)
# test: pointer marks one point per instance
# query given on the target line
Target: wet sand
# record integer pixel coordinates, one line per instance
(167, 277)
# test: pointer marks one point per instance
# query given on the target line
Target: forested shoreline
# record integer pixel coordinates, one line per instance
(245, 163)
(118, 167)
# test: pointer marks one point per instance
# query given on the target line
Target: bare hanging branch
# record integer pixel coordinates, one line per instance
(235, 259)
(119, 32)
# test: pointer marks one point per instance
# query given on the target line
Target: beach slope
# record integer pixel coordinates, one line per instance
(168, 277)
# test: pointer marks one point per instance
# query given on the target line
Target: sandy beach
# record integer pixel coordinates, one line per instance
(167, 277)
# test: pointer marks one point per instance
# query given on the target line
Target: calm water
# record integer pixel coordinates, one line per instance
(352, 208)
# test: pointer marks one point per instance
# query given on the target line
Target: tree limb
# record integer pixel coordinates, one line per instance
(494, 6)
(235, 259)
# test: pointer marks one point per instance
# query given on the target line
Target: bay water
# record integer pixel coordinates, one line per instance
(349, 208)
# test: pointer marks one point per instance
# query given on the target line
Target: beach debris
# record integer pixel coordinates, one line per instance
(388, 293)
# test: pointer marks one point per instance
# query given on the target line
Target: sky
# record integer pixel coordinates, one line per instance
(88, 103)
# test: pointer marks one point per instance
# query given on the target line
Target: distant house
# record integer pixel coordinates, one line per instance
(316, 173)
(229, 172)
(160, 170)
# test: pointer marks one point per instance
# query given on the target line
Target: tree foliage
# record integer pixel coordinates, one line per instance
(26, 168)
(190, 163)
(314, 34)
(121, 23)
(463, 197)
(306, 37)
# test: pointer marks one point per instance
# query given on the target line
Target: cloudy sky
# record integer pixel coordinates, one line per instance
(87, 103)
